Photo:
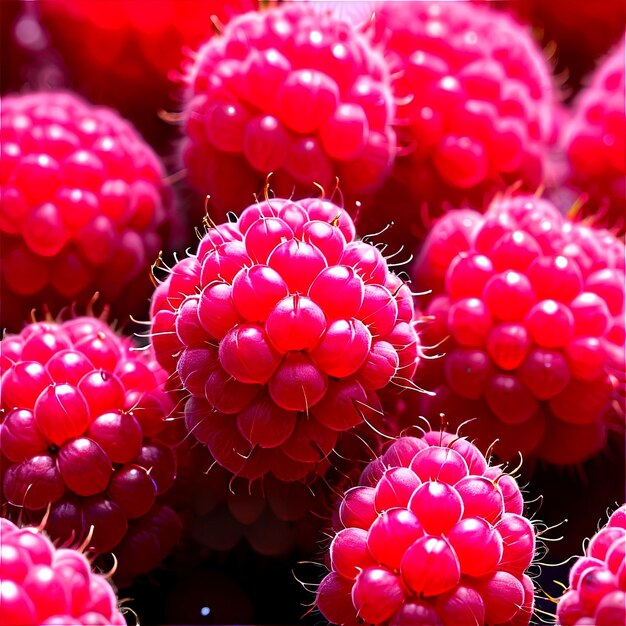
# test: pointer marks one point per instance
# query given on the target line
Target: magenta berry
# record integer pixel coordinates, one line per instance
(532, 303)
(597, 585)
(84, 433)
(42, 584)
(84, 208)
(475, 112)
(593, 140)
(455, 548)
(306, 97)
(297, 327)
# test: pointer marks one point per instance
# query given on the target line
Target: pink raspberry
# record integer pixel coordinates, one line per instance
(597, 580)
(83, 432)
(594, 143)
(294, 91)
(84, 207)
(431, 535)
(475, 113)
(534, 308)
(282, 328)
(134, 45)
(48, 586)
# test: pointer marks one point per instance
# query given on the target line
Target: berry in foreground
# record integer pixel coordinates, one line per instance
(533, 305)
(597, 580)
(431, 535)
(48, 586)
(84, 207)
(282, 328)
(83, 434)
(593, 141)
(291, 90)
(476, 111)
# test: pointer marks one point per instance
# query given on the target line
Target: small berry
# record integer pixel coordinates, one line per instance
(291, 90)
(597, 580)
(451, 547)
(43, 584)
(282, 328)
(85, 208)
(533, 304)
(83, 432)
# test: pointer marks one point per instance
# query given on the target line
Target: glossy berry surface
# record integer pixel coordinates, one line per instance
(83, 432)
(282, 328)
(431, 535)
(475, 113)
(41, 584)
(294, 91)
(533, 305)
(597, 580)
(594, 144)
(84, 207)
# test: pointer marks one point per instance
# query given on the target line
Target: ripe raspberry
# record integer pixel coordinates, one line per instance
(293, 91)
(597, 580)
(282, 329)
(84, 207)
(133, 45)
(432, 535)
(83, 431)
(594, 144)
(40, 584)
(534, 308)
(476, 110)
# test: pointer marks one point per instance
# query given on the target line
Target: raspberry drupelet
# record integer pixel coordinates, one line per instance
(533, 308)
(431, 535)
(597, 580)
(41, 584)
(282, 328)
(84, 207)
(84, 440)
(475, 111)
(593, 141)
(291, 90)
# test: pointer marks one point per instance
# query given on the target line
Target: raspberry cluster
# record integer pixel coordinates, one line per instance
(594, 143)
(475, 113)
(84, 207)
(82, 432)
(534, 306)
(432, 535)
(597, 581)
(43, 585)
(282, 328)
(292, 90)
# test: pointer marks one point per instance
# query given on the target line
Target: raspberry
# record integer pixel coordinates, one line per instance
(84, 207)
(83, 432)
(597, 580)
(282, 328)
(42, 584)
(533, 304)
(435, 537)
(134, 45)
(476, 102)
(292, 90)
(594, 143)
